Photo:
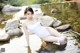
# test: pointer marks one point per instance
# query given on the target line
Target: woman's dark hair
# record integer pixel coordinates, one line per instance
(28, 9)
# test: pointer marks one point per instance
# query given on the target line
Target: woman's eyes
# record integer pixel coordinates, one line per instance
(29, 14)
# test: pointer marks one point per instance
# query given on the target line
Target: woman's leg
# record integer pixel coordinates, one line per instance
(53, 32)
(60, 37)
(55, 40)
(50, 39)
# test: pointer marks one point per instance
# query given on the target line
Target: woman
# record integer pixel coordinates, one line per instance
(45, 33)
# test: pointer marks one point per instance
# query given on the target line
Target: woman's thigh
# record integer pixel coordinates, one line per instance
(53, 32)
(50, 38)
(62, 40)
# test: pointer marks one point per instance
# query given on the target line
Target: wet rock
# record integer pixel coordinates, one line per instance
(48, 47)
(51, 48)
(63, 27)
(4, 36)
(10, 9)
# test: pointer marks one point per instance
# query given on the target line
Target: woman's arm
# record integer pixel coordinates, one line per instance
(27, 36)
(25, 32)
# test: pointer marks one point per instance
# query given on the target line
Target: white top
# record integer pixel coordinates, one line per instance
(39, 30)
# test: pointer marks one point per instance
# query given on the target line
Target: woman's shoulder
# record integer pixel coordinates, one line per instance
(24, 22)
(35, 17)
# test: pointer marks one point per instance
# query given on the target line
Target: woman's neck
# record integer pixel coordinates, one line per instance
(30, 19)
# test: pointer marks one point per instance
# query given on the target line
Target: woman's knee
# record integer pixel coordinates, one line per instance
(63, 40)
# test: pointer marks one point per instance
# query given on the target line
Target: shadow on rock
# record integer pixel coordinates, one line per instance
(49, 47)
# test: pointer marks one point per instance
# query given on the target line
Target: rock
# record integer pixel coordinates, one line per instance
(55, 11)
(48, 48)
(15, 32)
(57, 23)
(20, 15)
(4, 22)
(46, 20)
(63, 27)
(3, 19)
(10, 9)
(12, 24)
(22, 18)
(45, 51)
(13, 28)
(4, 36)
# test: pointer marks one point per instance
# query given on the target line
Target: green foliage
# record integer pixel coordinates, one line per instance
(42, 1)
(69, 13)
(14, 2)
(52, 1)
(2, 1)
(27, 2)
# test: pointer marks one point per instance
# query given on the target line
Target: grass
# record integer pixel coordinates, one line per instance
(69, 13)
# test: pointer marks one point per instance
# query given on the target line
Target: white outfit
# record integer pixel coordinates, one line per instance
(39, 30)
(60, 40)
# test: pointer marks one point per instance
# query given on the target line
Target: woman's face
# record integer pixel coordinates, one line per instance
(29, 15)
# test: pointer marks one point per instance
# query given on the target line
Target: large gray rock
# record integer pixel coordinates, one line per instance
(12, 24)
(14, 32)
(63, 27)
(55, 23)
(8, 9)
(13, 28)
(4, 36)
(46, 20)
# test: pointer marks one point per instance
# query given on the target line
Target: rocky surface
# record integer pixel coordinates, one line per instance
(19, 44)
(56, 23)
(71, 47)
(3, 35)
(63, 27)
